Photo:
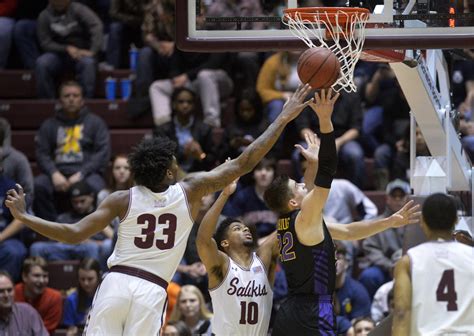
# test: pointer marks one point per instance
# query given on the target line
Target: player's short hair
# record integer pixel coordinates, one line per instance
(439, 212)
(278, 194)
(150, 159)
(31, 262)
(222, 229)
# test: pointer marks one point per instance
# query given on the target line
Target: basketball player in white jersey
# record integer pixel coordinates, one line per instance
(240, 278)
(433, 283)
(156, 219)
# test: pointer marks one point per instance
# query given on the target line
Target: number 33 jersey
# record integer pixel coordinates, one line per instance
(242, 303)
(442, 275)
(154, 232)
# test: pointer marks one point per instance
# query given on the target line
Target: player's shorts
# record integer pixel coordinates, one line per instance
(305, 315)
(128, 302)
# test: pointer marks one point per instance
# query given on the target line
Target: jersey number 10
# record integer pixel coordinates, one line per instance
(248, 312)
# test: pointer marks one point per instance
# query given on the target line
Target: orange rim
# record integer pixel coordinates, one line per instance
(327, 14)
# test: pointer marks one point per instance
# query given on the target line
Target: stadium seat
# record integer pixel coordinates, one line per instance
(63, 274)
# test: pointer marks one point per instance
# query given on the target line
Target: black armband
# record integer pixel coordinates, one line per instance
(327, 160)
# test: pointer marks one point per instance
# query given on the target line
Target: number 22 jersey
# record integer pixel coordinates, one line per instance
(442, 276)
(242, 303)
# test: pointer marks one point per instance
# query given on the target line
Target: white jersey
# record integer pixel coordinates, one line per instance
(442, 275)
(242, 303)
(154, 233)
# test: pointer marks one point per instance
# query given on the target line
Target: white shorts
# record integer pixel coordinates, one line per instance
(127, 305)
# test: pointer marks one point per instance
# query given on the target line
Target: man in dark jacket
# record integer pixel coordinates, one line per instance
(70, 34)
(71, 146)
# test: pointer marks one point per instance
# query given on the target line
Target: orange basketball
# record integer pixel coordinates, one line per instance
(319, 67)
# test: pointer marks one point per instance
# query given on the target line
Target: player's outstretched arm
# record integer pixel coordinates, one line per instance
(268, 252)
(402, 298)
(66, 233)
(408, 214)
(204, 183)
(308, 221)
(212, 258)
(310, 153)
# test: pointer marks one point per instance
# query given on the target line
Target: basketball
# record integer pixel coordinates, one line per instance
(319, 67)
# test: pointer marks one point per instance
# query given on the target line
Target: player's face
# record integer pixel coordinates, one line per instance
(88, 280)
(6, 293)
(363, 328)
(189, 304)
(36, 280)
(263, 176)
(174, 168)
(121, 170)
(239, 234)
(299, 191)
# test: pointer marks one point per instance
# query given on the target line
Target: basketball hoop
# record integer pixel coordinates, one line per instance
(345, 26)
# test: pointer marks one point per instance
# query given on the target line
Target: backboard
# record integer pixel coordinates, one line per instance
(393, 24)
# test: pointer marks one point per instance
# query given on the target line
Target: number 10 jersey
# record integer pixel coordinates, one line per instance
(242, 303)
(154, 232)
(442, 276)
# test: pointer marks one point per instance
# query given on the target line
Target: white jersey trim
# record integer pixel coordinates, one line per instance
(187, 202)
(130, 191)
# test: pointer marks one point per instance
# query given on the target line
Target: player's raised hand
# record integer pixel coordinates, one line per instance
(311, 152)
(409, 214)
(230, 189)
(15, 201)
(295, 104)
(323, 104)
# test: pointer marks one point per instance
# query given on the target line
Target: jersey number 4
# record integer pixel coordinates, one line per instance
(446, 291)
(248, 312)
(149, 231)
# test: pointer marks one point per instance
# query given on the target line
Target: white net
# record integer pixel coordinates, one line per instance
(346, 30)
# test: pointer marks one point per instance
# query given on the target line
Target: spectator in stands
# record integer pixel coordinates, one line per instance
(196, 150)
(25, 34)
(98, 247)
(120, 179)
(380, 248)
(466, 124)
(176, 328)
(248, 204)
(247, 63)
(12, 249)
(125, 29)
(33, 290)
(249, 123)
(70, 35)
(385, 119)
(382, 304)
(78, 303)
(401, 162)
(353, 298)
(192, 310)
(205, 73)
(73, 145)
(17, 318)
(347, 121)
(15, 163)
(277, 80)
(363, 326)
(154, 60)
(7, 21)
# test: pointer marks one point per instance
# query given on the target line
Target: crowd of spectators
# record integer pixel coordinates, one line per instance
(185, 93)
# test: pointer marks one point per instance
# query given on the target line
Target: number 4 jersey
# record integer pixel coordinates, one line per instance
(154, 232)
(442, 275)
(242, 303)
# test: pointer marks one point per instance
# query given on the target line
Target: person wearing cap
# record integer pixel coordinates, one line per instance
(379, 249)
(97, 247)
